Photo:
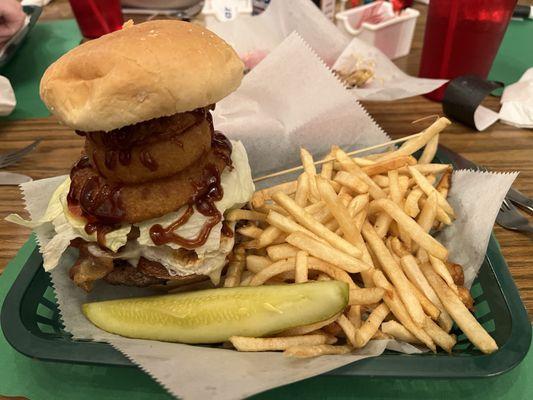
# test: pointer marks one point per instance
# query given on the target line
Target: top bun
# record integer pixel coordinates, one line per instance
(144, 71)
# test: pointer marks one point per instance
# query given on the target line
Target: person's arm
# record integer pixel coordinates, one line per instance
(11, 19)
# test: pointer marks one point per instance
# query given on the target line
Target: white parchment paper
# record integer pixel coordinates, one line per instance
(254, 36)
(295, 119)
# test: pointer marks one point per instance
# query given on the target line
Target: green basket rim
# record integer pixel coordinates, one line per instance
(510, 354)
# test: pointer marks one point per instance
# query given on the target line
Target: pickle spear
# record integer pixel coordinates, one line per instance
(214, 315)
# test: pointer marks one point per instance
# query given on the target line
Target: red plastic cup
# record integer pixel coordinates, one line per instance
(462, 37)
(97, 17)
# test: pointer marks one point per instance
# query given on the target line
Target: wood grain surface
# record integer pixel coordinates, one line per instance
(501, 148)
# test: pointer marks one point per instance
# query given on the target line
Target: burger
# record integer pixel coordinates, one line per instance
(144, 205)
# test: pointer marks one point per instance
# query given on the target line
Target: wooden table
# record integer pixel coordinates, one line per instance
(501, 148)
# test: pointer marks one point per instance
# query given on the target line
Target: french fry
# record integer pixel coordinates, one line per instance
(350, 166)
(351, 181)
(382, 224)
(440, 268)
(396, 306)
(428, 168)
(414, 274)
(240, 214)
(381, 180)
(326, 253)
(272, 270)
(250, 231)
(315, 351)
(429, 213)
(444, 184)
(417, 234)
(382, 167)
(259, 198)
(314, 226)
(440, 337)
(411, 202)
(327, 168)
(395, 274)
(339, 212)
(257, 263)
(300, 274)
(418, 142)
(347, 328)
(304, 329)
(428, 188)
(281, 251)
(464, 319)
(379, 335)
(330, 270)
(243, 343)
(428, 307)
(430, 150)
(357, 204)
(268, 236)
(323, 277)
(302, 190)
(288, 225)
(366, 296)
(371, 325)
(354, 315)
(398, 331)
(235, 268)
(310, 170)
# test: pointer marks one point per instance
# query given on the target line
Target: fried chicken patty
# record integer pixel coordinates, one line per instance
(150, 150)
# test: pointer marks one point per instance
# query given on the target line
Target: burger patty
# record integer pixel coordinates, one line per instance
(110, 203)
(150, 150)
(89, 269)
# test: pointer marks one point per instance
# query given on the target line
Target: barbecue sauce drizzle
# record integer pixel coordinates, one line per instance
(93, 199)
(120, 142)
(207, 191)
(101, 204)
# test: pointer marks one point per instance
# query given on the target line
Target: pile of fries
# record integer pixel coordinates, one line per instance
(368, 222)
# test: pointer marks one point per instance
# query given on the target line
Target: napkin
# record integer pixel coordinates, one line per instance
(8, 101)
(198, 372)
(517, 102)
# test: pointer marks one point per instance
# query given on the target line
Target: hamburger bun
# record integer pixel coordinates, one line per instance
(146, 71)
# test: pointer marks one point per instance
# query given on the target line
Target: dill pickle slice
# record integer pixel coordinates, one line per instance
(212, 316)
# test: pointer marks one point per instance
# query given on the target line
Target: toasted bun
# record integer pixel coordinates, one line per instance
(145, 71)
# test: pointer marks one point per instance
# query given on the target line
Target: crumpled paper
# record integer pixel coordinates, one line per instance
(214, 373)
(517, 102)
(516, 109)
(253, 37)
(8, 102)
(389, 82)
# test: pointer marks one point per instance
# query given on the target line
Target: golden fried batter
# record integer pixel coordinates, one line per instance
(111, 203)
(150, 150)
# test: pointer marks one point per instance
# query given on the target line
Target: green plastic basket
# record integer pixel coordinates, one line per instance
(32, 324)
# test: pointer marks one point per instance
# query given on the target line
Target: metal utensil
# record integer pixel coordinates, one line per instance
(520, 200)
(510, 218)
(13, 157)
(514, 195)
